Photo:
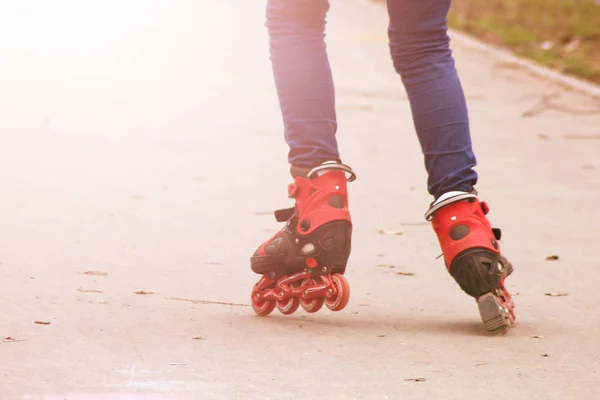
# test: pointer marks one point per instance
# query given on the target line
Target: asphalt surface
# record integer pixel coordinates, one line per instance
(142, 152)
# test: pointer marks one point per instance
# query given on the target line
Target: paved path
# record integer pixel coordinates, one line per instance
(142, 140)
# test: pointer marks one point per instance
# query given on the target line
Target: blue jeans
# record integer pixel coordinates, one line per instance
(419, 47)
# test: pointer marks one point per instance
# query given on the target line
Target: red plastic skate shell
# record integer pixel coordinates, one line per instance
(313, 200)
(471, 215)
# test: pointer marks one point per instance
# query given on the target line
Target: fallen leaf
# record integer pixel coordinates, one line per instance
(42, 322)
(556, 294)
(405, 273)
(480, 364)
(142, 292)
(552, 258)
(390, 232)
(89, 290)
(380, 335)
(199, 338)
(545, 355)
(9, 339)
(538, 336)
(415, 380)
(96, 273)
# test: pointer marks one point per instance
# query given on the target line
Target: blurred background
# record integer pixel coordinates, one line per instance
(561, 34)
(142, 156)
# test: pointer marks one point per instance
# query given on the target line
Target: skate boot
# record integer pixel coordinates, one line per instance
(472, 255)
(303, 264)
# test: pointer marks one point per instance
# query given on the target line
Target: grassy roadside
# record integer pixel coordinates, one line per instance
(561, 34)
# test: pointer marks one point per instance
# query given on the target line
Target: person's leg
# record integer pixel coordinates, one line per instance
(303, 79)
(420, 49)
(419, 46)
(303, 263)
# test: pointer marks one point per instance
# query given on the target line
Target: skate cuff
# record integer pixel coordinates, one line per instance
(330, 165)
(444, 200)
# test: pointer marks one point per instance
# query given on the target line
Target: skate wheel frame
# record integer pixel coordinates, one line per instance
(300, 289)
(497, 310)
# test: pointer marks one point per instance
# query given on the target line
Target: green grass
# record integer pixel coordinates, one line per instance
(561, 34)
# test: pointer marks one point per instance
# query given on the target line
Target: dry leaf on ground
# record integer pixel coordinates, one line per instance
(89, 290)
(95, 273)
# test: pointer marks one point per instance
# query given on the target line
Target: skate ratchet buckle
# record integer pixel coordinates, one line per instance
(300, 289)
(497, 310)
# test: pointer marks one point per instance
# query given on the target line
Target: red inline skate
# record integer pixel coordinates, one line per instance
(304, 263)
(472, 255)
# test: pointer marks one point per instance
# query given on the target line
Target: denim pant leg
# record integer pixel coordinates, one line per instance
(419, 46)
(303, 79)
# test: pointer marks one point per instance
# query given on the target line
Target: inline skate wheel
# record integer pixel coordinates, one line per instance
(288, 307)
(340, 300)
(313, 305)
(262, 307)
